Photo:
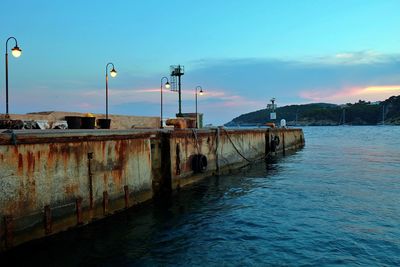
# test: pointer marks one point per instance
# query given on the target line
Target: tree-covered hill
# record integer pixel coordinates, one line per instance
(360, 113)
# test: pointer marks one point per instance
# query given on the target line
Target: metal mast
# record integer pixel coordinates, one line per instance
(177, 71)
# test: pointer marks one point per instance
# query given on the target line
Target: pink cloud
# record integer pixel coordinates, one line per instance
(219, 97)
(351, 94)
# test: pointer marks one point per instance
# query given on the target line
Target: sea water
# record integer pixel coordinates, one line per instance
(334, 202)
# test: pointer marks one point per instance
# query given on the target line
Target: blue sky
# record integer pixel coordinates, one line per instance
(241, 52)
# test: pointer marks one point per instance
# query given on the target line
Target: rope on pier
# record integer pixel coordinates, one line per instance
(237, 150)
(234, 146)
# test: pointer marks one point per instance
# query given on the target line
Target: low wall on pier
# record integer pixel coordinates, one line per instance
(120, 122)
(53, 180)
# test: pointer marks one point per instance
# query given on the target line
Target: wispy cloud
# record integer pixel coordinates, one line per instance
(354, 58)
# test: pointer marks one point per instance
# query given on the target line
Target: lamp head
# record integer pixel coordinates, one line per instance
(201, 92)
(16, 51)
(113, 73)
(167, 85)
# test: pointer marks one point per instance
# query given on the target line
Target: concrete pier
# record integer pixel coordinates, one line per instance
(53, 180)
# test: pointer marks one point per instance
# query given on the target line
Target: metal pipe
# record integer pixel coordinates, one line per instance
(195, 96)
(7, 115)
(197, 126)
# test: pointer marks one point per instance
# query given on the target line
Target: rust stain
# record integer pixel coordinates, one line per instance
(103, 149)
(50, 155)
(121, 148)
(187, 166)
(65, 157)
(30, 186)
(30, 158)
(109, 151)
(20, 164)
(186, 143)
(71, 189)
(15, 148)
(200, 143)
(63, 153)
(105, 181)
(79, 151)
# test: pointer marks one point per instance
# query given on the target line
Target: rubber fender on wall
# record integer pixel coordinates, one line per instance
(199, 163)
(275, 141)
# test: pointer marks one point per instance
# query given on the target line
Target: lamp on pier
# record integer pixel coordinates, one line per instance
(113, 74)
(195, 94)
(16, 52)
(167, 86)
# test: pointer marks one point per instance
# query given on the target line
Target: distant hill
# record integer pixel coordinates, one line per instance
(360, 113)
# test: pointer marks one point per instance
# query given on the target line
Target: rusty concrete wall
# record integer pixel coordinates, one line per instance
(98, 173)
(289, 138)
(184, 144)
(53, 180)
(241, 146)
(224, 149)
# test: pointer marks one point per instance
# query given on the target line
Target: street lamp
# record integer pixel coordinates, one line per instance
(195, 95)
(167, 86)
(16, 52)
(113, 73)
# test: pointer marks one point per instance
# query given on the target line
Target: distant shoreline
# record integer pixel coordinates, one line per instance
(310, 125)
(326, 114)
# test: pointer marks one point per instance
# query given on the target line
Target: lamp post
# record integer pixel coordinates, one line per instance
(167, 86)
(195, 95)
(113, 73)
(16, 52)
(272, 107)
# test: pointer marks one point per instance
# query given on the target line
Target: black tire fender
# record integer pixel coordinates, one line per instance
(277, 140)
(199, 163)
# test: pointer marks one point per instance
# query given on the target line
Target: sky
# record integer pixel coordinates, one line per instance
(242, 53)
